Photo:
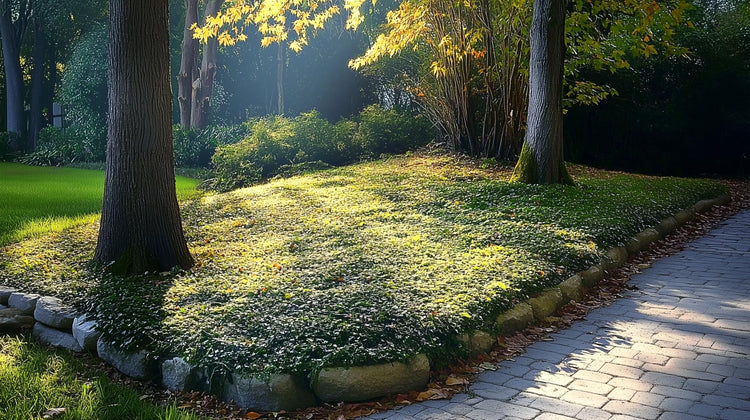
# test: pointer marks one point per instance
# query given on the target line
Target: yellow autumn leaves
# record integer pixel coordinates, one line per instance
(275, 20)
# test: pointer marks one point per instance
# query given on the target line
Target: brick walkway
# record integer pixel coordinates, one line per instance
(678, 347)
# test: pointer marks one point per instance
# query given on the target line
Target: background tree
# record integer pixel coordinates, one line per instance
(140, 227)
(541, 160)
(15, 17)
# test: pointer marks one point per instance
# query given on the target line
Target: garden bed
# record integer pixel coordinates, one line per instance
(360, 265)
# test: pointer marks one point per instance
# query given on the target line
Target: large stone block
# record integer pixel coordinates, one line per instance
(175, 374)
(134, 364)
(279, 392)
(703, 206)
(55, 338)
(667, 226)
(592, 276)
(13, 320)
(85, 333)
(647, 237)
(572, 289)
(25, 302)
(5, 293)
(684, 216)
(478, 342)
(546, 303)
(361, 383)
(615, 257)
(515, 318)
(633, 246)
(52, 312)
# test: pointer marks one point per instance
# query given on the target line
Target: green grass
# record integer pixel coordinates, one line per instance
(34, 380)
(356, 265)
(37, 200)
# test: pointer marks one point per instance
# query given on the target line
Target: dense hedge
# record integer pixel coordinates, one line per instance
(276, 142)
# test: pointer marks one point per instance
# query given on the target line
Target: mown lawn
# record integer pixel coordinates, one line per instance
(357, 265)
(35, 201)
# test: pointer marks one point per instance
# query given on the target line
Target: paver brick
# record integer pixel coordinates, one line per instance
(639, 411)
(629, 383)
(621, 394)
(590, 386)
(553, 405)
(669, 391)
(585, 398)
(507, 409)
(676, 404)
(647, 398)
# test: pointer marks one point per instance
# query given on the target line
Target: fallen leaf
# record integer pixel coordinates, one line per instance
(454, 380)
(488, 366)
(252, 415)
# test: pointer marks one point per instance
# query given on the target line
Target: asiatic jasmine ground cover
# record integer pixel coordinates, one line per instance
(356, 265)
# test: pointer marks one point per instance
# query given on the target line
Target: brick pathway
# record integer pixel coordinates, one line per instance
(678, 347)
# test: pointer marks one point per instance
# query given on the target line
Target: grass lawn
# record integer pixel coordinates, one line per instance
(37, 200)
(33, 379)
(356, 265)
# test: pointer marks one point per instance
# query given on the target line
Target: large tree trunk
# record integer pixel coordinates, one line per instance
(11, 36)
(36, 119)
(187, 63)
(140, 226)
(203, 86)
(541, 159)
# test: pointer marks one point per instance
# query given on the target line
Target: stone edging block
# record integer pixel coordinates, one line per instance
(24, 302)
(134, 364)
(12, 319)
(572, 289)
(515, 318)
(52, 312)
(359, 383)
(546, 303)
(279, 392)
(55, 338)
(5, 293)
(478, 342)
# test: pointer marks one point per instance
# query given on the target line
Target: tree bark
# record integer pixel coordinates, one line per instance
(36, 118)
(203, 86)
(187, 63)
(11, 33)
(140, 227)
(280, 77)
(541, 159)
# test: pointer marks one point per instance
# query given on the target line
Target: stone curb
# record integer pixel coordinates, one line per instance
(332, 384)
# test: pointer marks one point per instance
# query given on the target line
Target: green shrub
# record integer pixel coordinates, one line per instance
(390, 131)
(193, 149)
(4, 146)
(276, 142)
(79, 143)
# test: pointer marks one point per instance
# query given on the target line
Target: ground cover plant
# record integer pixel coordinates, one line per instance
(355, 265)
(36, 200)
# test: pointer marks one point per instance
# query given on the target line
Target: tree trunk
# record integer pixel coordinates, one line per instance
(280, 78)
(203, 86)
(36, 119)
(49, 87)
(11, 42)
(187, 63)
(140, 227)
(541, 159)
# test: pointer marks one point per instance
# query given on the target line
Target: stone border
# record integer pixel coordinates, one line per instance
(55, 324)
